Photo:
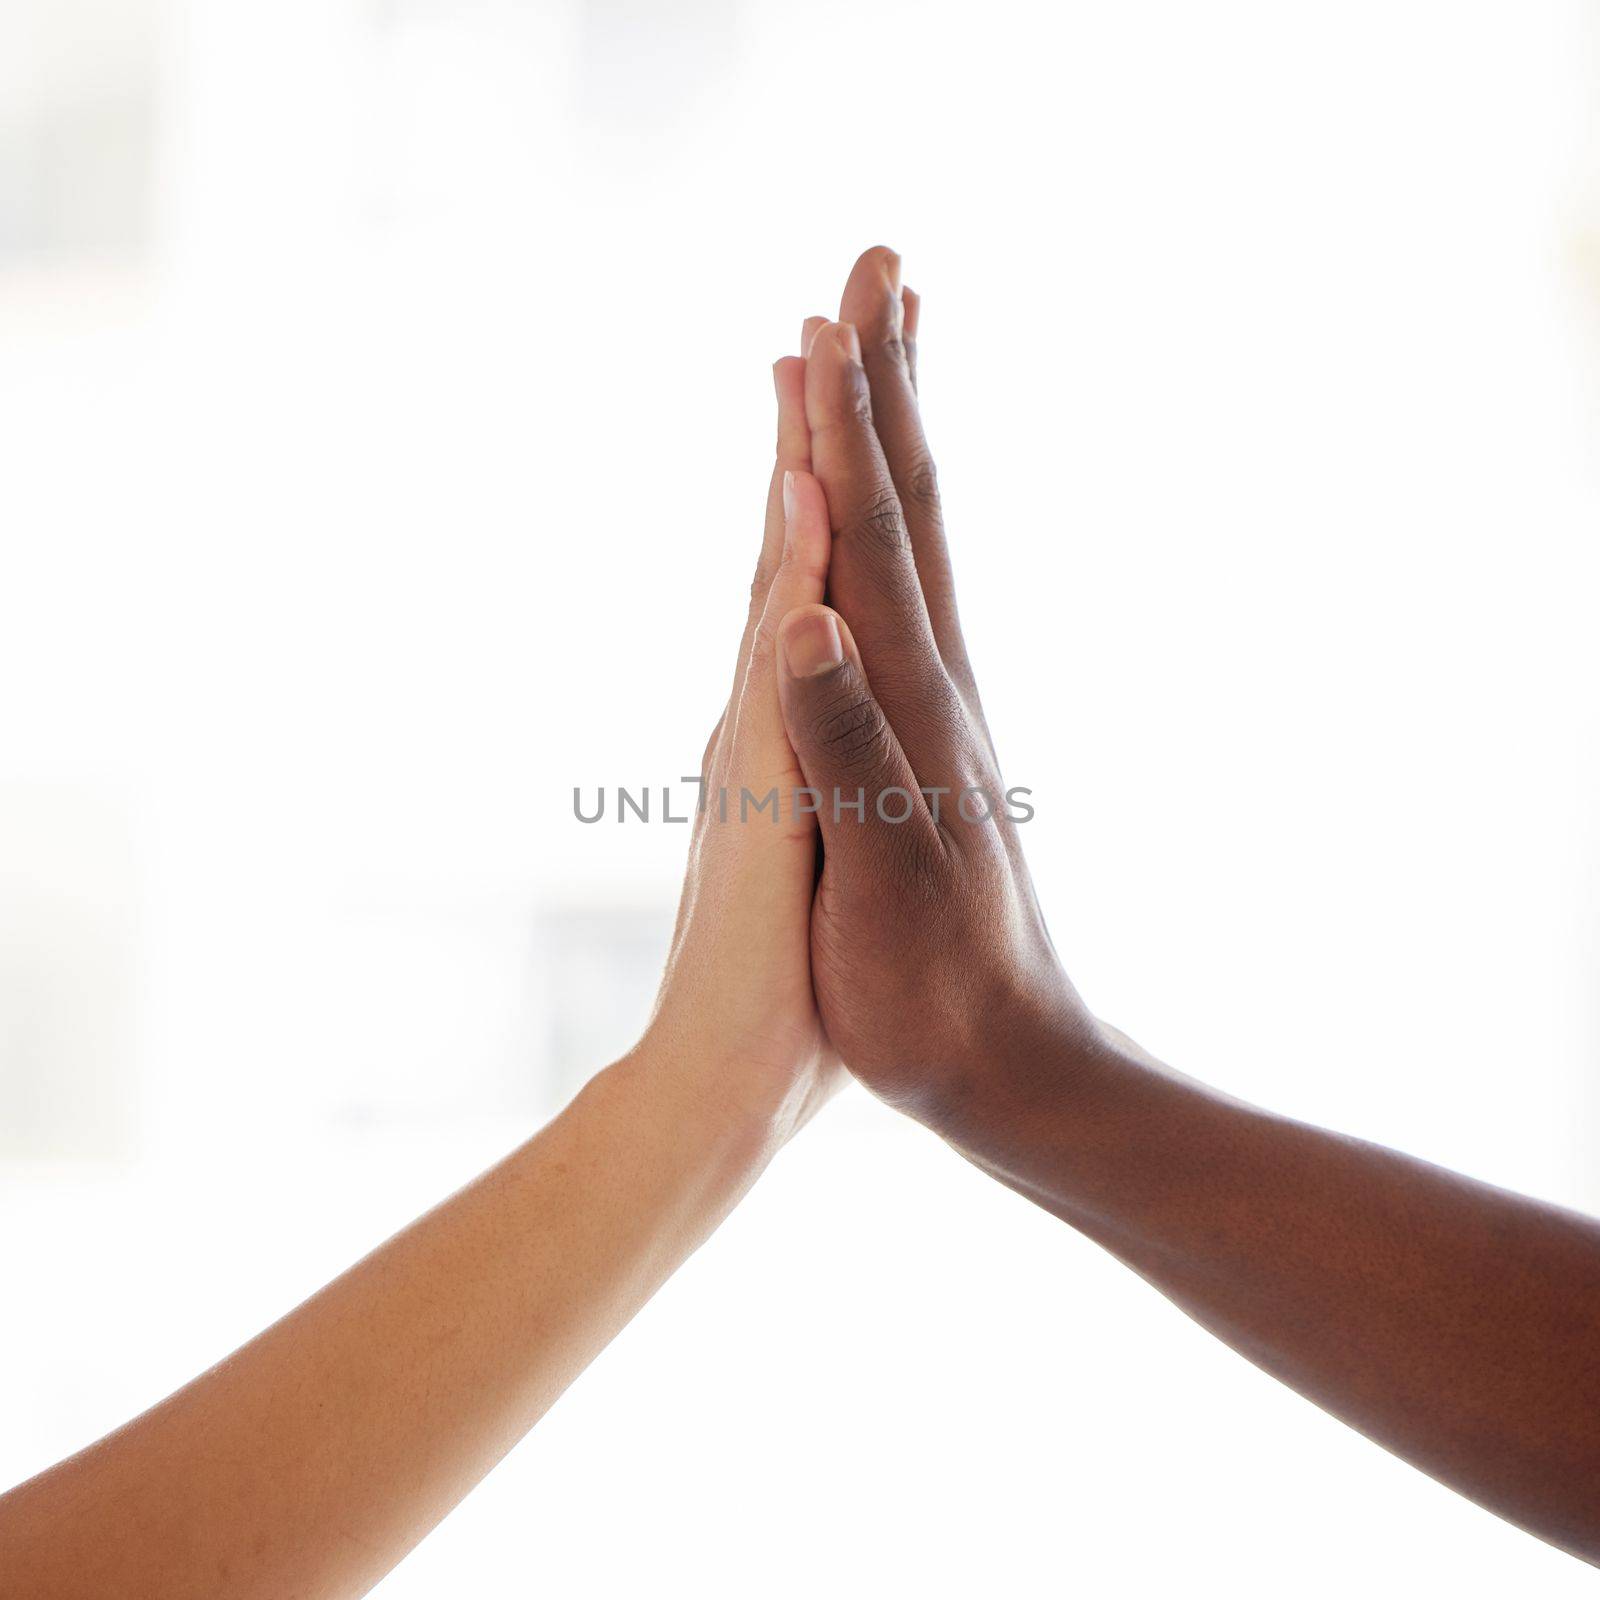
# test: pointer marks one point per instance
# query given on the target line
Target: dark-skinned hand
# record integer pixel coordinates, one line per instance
(1453, 1322)
(932, 965)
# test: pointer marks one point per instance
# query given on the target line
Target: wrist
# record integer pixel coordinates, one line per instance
(721, 1095)
(1043, 1060)
(1086, 1123)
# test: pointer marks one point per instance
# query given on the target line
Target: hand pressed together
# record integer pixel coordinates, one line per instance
(934, 972)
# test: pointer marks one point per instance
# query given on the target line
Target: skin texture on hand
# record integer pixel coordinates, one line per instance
(1454, 1323)
(308, 1462)
(738, 979)
(930, 955)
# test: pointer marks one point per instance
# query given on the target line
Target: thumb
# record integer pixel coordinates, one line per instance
(863, 787)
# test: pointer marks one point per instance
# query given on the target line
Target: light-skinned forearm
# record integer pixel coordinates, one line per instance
(1454, 1323)
(313, 1458)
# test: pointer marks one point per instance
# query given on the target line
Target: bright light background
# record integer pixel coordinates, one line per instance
(384, 420)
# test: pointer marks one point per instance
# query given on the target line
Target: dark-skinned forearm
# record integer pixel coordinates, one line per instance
(1452, 1322)
(1456, 1324)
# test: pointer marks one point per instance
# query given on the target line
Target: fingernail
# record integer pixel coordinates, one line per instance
(788, 497)
(812, 645)
(910, 310)
(850, 341)
(891, 270)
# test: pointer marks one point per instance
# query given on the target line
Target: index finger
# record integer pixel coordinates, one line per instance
(872, 578)
(874, 303)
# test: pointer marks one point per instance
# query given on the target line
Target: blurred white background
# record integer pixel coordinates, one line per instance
(384, 421)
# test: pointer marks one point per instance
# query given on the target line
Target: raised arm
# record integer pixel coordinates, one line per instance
(1454, 1323)
(308, 1462)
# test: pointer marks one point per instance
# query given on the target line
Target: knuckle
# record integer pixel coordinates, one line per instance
(920, 883)
(853, 732)
(922, 482)
(881, 522)
(892, 346)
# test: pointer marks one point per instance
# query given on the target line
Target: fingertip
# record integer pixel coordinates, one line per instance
(911, 301)
(802, 493)
(789, 380)
(879, 261)
(872, 292)
(794, 433)
(835, 378)
(834, 344)
(807, 537)
(805, 498)
(808, 332)
(810, 642)
(889, 262)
